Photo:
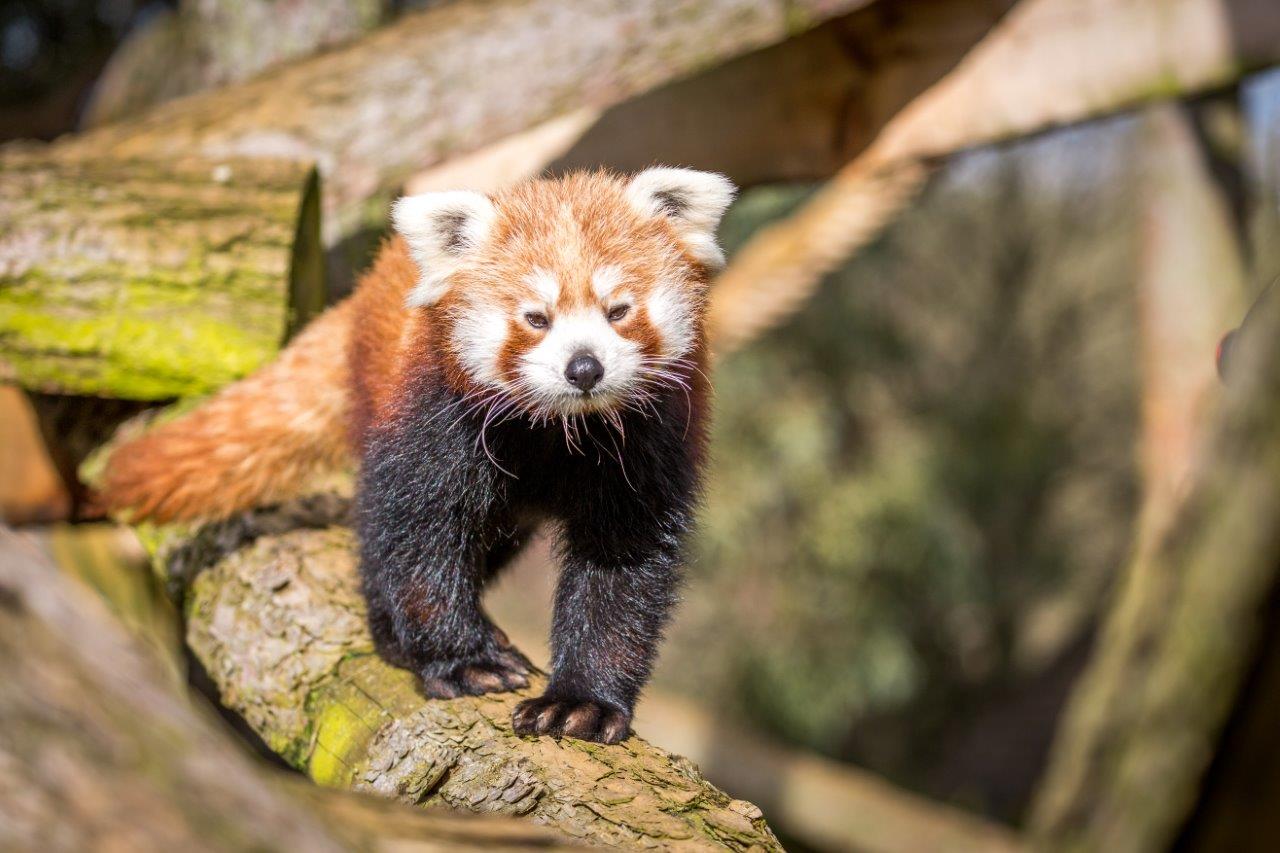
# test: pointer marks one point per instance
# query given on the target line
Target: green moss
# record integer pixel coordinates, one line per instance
(170, 343)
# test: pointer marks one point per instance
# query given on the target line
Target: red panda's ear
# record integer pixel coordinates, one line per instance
(692, 201)
(442, 230)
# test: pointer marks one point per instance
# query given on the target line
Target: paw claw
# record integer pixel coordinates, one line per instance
(583, 719)
(473, 677)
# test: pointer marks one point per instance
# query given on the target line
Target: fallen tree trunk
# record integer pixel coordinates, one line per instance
(151, 280)
(943, 76)
(99, 751)
(448, 80)
(275, 618)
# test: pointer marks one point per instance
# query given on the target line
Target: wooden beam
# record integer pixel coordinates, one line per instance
(1177, 654)
(275, 616)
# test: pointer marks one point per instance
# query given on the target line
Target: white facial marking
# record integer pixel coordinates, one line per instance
(478, 337)
(545, 285)
(670, 312)
(542, 369)
(605, 280)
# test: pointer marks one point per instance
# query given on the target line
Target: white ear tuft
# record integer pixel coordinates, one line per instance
(442, 229)
(693, 201)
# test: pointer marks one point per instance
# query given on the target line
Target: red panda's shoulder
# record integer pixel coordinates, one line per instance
(379, 332)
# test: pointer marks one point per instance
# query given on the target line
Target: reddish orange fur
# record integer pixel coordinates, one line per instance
(259, 440)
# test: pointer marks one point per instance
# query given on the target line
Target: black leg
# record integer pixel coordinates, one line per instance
(610, 612)
(426, 530)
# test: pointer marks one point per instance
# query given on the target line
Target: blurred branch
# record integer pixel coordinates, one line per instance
(778, 270)
(951, 74)
(30, 488)
(1138, 737)
(825, 803)
(151, 280)
(1191, 289)
(99, 752)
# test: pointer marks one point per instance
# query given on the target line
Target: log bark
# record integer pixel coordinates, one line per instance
(148, 280)
(448, 80)
(944, 76)
(275, 618)
(99, 751)
(1174, 655)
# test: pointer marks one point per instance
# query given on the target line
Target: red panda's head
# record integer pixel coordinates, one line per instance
(567, 296)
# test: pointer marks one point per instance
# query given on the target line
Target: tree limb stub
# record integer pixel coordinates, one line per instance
(275, 617)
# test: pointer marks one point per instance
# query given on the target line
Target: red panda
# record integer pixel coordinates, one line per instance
(532, 356)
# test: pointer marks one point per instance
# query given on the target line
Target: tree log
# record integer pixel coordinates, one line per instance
(98, 750)
(275, 617)
(448, 80)
(149, 280)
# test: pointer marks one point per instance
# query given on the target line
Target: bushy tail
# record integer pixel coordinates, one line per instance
(255, 442)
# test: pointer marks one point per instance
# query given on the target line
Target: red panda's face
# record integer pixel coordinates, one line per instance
(577, 295)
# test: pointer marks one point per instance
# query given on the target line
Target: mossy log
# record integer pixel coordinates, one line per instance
(1146, 734)
(275, 618)
(148, 280)
(99, 750)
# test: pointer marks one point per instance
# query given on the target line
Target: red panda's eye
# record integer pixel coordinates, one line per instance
(617, 312)
(537, 319)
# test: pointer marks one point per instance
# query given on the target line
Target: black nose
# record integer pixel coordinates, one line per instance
(584, 371)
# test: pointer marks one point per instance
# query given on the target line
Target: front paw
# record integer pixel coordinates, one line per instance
(495, 672)
(567, 716)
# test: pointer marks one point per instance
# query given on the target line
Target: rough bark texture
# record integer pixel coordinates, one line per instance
(99, 750)
(149, 280)
(1143, 725)
(449, 80)
(942, 75)
(275, 617)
